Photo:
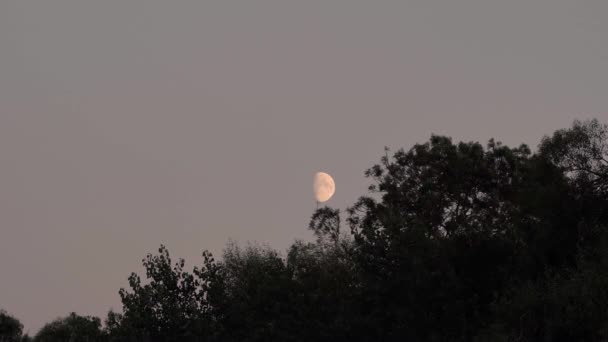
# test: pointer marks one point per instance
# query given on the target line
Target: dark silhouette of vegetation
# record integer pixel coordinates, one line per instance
(11, 328)
(455, 242)
(73, 328)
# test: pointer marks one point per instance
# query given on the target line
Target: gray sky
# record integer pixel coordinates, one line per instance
(126, 124)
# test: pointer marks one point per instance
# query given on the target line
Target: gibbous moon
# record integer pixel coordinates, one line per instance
(324, 186)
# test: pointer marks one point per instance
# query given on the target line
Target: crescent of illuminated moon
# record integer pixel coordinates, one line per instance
(324, 186)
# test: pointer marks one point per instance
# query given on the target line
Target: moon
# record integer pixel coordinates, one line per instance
(324, 186)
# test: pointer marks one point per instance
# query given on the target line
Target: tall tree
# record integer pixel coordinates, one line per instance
(446, 229)
(581, 153)
(455, 242)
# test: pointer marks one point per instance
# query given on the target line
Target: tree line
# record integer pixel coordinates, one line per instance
(453, 242)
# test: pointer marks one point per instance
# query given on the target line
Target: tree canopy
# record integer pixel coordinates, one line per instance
(10, 328)
(454, 242)
(72, 328)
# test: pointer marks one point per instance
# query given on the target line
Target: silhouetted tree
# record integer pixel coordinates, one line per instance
(325, 224)
(326, 286)
(172, 306)
(10, 328)
(455, 242)
(581, 152)
(256, 290)
(568, 301)
(449, 227)
(73, 328)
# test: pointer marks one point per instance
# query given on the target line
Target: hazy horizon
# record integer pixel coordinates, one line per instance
(124, 125)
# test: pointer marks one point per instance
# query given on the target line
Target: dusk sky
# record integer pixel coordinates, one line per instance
(127, 124)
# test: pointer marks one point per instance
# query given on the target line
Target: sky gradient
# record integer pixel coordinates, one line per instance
(127, 124)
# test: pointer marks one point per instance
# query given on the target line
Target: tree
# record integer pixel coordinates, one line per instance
(326, 287)
(449, 226)
(581, 152)
(455, 242)
(567, 303)
(255, 300)
(73, 328)
(10, 328)
(172, 306)
(325, 224)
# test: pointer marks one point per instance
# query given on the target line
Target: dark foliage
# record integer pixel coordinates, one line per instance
(174, 305)
(10, 328)
(73, 328)
(455, 242)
